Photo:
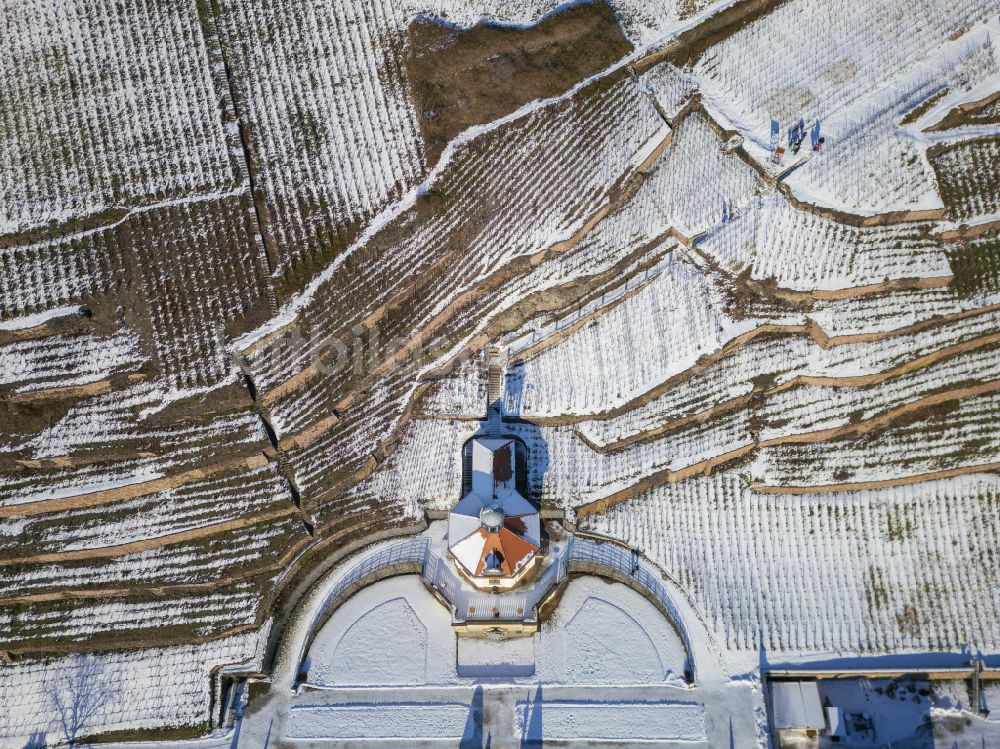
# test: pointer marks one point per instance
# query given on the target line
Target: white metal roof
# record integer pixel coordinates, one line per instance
(461, 525)
(796, 704)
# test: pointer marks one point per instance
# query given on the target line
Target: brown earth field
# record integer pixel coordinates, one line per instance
(464, 77)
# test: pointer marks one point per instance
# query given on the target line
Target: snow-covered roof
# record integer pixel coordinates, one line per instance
(796, 704)
(510, 503)
(492, 466)
(493, 527)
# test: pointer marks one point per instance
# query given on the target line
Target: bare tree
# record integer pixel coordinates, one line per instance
(77, 694)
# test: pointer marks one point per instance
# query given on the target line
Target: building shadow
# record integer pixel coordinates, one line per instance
(472, 736)
(531, 731)
(526, 432)
(504, 420)
(236, 733)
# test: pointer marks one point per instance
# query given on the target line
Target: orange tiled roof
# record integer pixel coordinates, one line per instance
(511, 548)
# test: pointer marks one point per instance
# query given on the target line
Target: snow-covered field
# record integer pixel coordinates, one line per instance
(852, 73)
(873, 571)
(244, 317)
(160, 687)
(115, 107)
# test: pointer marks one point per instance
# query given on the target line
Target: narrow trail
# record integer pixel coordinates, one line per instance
(99, 387)
(884, 419)
(660, 478)
(548, 302)
(769, 289)
(855, 292)
(584, 320)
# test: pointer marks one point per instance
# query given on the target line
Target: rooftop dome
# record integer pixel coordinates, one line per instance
(491, 518)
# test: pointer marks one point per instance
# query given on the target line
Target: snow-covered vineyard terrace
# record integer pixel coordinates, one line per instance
(723, 273)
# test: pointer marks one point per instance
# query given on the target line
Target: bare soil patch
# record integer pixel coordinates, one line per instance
(976, 264)
(692, 44)
(464, 77)
(966, 174)
(981, 112)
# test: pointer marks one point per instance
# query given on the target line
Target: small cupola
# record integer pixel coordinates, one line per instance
(492, 519)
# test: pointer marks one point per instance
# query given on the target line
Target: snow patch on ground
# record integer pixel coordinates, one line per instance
(391, 633)
(595, 721)
(380, 721)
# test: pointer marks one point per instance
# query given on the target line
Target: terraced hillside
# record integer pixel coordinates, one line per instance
(245, 295)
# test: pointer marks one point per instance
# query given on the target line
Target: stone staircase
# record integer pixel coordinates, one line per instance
(494, 390)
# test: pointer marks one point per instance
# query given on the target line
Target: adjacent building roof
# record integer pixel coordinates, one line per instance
(797, 705)
(492, 466)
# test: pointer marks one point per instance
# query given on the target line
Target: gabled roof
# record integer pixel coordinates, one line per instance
(493, 463)
(796, 704)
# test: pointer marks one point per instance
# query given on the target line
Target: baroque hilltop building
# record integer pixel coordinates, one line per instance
(494, 532)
